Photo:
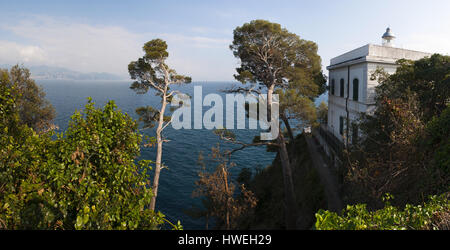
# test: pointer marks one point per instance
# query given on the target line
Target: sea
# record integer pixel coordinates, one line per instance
(180, 154)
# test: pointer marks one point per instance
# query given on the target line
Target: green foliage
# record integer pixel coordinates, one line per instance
(149, 116)
(322, 113)
(151, 71)
(156, 49)
(8, 115)
(427, 78)
(432, 215)
(102, 145)
(295, 105)
(87, 178)
(405, 143)
(277, 59)
(270, 55)
(438, 140)
(34, 110)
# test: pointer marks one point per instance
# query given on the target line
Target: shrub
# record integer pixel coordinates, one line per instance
(433, 214)
(86, 178)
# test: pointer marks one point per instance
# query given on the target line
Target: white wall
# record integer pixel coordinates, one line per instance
(359, 52)
(373, 56)
(336, 103)
(371, 84)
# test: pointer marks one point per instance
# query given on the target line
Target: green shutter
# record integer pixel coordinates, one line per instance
(332, 86)
(355, 89)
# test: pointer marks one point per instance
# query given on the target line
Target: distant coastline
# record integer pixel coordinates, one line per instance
(43, 72)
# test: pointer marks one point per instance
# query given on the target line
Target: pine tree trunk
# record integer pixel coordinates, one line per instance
(158, 152)
(225, 179)
(289, 191)
(288, 126)
(269, 101)
(289, 194)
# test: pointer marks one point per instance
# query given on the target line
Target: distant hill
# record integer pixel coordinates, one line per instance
(57, 73)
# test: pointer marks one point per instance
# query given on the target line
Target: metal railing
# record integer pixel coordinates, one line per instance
(331, 140)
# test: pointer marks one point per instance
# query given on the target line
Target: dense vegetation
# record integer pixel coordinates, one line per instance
(33, 109)
(404, 150)
(434, 214)
(282, 63)
(406, 143)
(86, 178)
(267, 186)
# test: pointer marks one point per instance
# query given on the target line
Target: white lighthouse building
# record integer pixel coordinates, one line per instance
(351, 89)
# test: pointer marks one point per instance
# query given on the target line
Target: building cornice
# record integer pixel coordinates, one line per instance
(363, 59)
(372, 53)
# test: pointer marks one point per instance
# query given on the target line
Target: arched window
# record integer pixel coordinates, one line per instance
(355, 89)
(332, 86)
(341, 88)
(341, 125)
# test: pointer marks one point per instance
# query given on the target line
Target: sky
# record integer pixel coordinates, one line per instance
(104, 36)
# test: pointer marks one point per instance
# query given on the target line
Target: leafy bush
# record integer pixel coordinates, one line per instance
(438, 140)
(435, 214)
(86, 178)
(33, 109)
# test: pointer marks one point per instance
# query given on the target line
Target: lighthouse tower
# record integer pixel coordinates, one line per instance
(387, 38)
(352, 88)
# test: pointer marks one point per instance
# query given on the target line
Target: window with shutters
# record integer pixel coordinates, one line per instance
(355, 89)
(332, 86)
(341, 125)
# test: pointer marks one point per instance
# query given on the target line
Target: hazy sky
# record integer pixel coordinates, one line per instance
(104, 36)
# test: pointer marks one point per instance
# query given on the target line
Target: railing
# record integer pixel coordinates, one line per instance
(331, 140)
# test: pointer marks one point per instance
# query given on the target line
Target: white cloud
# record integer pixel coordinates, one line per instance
(94, 48)
(77, 46)
(12, 53)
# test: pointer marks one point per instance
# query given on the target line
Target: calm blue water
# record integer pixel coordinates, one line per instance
(180, 154)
